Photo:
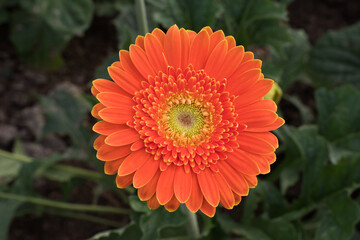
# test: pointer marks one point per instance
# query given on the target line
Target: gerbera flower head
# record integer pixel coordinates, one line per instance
(185, 121)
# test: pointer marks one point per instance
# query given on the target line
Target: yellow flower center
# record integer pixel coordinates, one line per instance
(186, 119)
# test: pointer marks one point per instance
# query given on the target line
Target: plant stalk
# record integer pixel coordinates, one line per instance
(192, 223)
(86, 217)
(64, 205)
(140, 9)
(80, 172)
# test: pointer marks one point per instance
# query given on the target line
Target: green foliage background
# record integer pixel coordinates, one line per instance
(319, 160)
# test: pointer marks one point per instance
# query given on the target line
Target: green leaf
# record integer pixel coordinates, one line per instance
(314, 154)
(344, 147)
(287, 66)
(101, 71)
(9, 169)
(338, 112)
(252, 233)
(226, 222)
(266, 229)
(339, 177)
(258, 22)
(277, 230)
(189, 14)
(131, 231)
(274, 202)
(338, 219)
(8, 209)
(126, 26)
(151, 224)
(335, 58)
(65, 17)
(105, 8)
(138, 205)
(65, 109)
(41, 29)
(38, 44)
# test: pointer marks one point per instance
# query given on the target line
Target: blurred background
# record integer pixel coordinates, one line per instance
(50, 51)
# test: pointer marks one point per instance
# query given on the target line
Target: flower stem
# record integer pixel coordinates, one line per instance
(141, 16)
(80, 172)
(85, 217)
(64, 205)
(193, 226)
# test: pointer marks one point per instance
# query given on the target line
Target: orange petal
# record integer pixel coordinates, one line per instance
(165, 186)
(257, 118)
(247, 56)
(116, 115)
(231, 42)
(261, 104)
(207, 209)
(99, 141)
(96, 109)
(111, 167)
(182, 185)
(141, 62)
(261, 161)
(254, 144)
(251, 180)
(145, 173)
(236, 182)
(172, 205)
(155, 53)
(129, 66)
(256, 92)
(110, 153)
(115, 100)
(153, 203)
(124, 181)
(124, 80)
(94, 91)
(216, 59)
(133, 162)
(275, 125)
(209, 187)
(266, 136)
(196, 198)
(216, 38)
(241, 162)
(264, 166)
(208, 29)
(226, 195)
(199, 50)
(159, 34)
(137, 145)
(246, 66)
(122, 137)
(185, 47)
(103, 85)
(231, 62)
(147, 191)
(106, 128)
(243, 81)
(192, 35)
(271, 158)
(172, 46)
(139, 41)
(237, 198)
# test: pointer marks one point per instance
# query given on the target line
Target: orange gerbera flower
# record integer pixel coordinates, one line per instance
(184, 120)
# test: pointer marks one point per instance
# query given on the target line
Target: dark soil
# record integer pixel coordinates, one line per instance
(20, 114)
(316, 17)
